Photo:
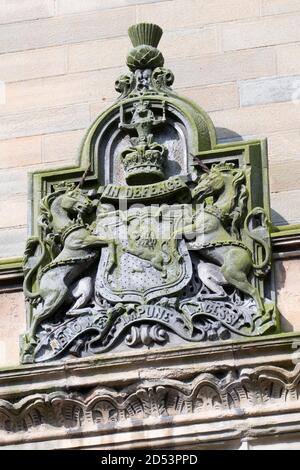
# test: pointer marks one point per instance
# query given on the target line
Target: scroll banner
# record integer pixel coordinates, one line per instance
(148, 192)
(110, 330)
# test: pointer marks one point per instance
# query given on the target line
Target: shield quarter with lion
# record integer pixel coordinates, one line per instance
(143, 261)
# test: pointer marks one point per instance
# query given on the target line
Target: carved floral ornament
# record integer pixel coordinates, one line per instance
(163, 241)
(257, 390)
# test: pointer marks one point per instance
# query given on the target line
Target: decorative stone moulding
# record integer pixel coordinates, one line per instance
(236, 394)
(160, 238)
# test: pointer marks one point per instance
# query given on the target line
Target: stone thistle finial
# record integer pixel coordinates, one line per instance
(145, 55)
(145, 33)
(178, 257)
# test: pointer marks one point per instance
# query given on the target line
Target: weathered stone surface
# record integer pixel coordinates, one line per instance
(58, 91)
(255, 120)
(47, 61)
(214, 97)
(20, 152)
(43, 42)
(67, 7)
(111, 52)
(190, 42)
(17, 213)
(60, 30)
(274, 386)
(62, 146)
(277, 7)
(100, 54)
(12, 241)
(290, 182)
(194, 391)
(12, 323)
(283, 145)
(285, 205)
(173, 15)
(211, 69)
(288, 59)
(14, 10)
(99, 107)
(13, 182)
(287, 282)
(267, 32)
(269, 90)
(33, 64)
(152, 286)
(45, 121)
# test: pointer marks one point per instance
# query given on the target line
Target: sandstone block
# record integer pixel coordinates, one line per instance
(59, 91)
(189, 43)
(219, 68)
(277, 7)
(214, 97)
(282, 180)
(101, 54)
(20, 152)
(33, 64)
(288, 59)
(112, 52)
(269, 90)
(284, 146)
(99, 107)
(67, 7)
(12, 242)
(259, 121)
(12, 325)
(13, 211)
(177, 14)
(288, 295)
(62, 146)
(45, 121)
(16, 10)
(286, 206)
(267, 32)
(65, 29)
(13, 181)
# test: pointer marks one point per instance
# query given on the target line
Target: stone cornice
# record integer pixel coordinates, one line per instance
(157, 407)
(220, 391)
(286, 245)
(119, 368)
(11, 274)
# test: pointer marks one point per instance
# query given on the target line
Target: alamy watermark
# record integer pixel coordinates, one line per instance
(146, 223)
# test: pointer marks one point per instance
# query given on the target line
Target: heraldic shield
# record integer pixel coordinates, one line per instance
(159, 238)
(144, 260)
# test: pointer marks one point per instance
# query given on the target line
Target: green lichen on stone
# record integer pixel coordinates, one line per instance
(158, 233)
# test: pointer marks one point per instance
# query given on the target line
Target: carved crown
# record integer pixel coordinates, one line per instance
(144, 163)
(223, 166)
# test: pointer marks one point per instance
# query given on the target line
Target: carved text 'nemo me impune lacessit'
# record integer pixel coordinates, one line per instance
(163, 241)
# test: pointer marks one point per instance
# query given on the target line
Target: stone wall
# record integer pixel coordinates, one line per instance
(58, 63)
(59, 60)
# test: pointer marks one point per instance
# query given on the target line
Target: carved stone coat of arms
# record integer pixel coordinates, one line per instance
(160, 238)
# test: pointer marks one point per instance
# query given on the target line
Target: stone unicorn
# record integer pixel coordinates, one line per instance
(216, 232)
(62, 215)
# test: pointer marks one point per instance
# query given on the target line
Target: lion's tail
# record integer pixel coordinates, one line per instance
(31, 264)
(264, 266)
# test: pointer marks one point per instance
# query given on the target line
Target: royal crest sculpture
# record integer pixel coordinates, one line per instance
(160, 238)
